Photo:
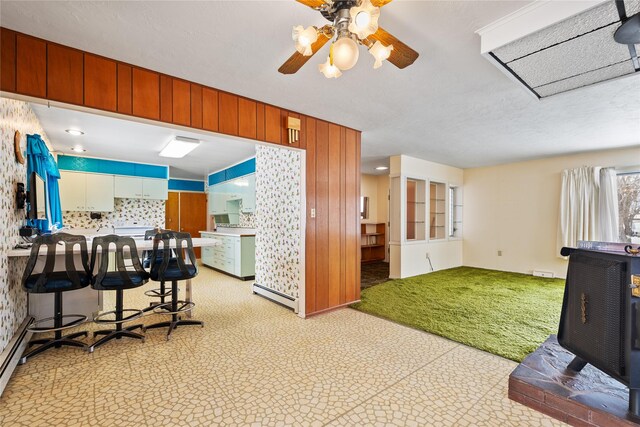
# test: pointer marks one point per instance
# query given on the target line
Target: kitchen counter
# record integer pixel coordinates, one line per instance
(87, 301)
(141, 245)
(242, 232)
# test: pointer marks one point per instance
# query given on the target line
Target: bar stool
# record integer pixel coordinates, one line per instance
(119, 280)
(147, 258)
(57, 282)
(174, 269)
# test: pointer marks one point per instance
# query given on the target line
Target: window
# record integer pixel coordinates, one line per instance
(629, 207)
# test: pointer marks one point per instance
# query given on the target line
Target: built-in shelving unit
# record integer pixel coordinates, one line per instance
(437, 210)
(416, 208)
(372, 242)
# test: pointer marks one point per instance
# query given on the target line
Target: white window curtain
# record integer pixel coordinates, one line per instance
(609, 216)
(588, 206)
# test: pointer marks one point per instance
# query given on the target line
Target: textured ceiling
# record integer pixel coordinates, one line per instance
(573, 53)
(452, 106)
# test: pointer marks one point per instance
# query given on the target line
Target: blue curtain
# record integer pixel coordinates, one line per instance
(40, 161)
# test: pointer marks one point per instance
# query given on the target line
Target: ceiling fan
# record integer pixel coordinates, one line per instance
(352, 23)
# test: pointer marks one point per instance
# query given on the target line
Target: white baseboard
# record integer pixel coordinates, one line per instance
(10, 356)
(276, 296)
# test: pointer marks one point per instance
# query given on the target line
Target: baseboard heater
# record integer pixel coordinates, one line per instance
(275, 296)
(11, 355)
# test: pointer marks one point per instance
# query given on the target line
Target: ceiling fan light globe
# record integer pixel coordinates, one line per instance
(345, 53)
(380, 53)
(364, 19)
(329, 70)
(304, 38)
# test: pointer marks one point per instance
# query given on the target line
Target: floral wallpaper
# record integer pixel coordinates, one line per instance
(278, 219)
(125, 211)
(14, 116)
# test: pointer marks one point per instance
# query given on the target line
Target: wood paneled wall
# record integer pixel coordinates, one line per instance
(333, 233)
(38, 68)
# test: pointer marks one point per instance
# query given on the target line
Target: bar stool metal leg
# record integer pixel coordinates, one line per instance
(176, 307)
(119, 331)
(58, 340)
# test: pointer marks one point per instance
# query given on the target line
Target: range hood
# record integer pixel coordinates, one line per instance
(551, 47)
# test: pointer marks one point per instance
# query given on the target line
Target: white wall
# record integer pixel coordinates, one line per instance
(513, 208)
(409, 259)
(369, 188)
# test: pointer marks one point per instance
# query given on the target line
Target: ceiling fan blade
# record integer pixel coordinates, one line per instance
(297, 60)
(402, 55)
(313, 4)
(380, 3)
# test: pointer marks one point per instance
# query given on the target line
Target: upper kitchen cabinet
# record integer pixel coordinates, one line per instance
(81, 191)
(7, 60)
(181, 102)
(128, 187)
(65, 71)
(131, 187)
(210, 109)
(31, 66)
(247, 118)
(100, 81)
(124, 88)
(233, 196)
(155, 189)
(228, 112)
(146, 94)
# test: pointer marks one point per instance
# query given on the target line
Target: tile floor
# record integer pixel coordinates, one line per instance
(256, 363)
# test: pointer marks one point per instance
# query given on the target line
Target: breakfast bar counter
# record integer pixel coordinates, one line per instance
(88, 301)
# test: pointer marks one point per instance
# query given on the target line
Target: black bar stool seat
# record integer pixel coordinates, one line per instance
(126, 277)
(173, 268)
(57, 282)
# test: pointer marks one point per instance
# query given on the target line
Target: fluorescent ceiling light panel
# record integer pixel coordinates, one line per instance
(179, 147)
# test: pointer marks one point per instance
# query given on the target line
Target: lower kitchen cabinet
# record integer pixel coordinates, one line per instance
(235, 255)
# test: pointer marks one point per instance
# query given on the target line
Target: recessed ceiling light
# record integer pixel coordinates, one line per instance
(381, 168)
(74, 132)
(78, 149)
(179, 147)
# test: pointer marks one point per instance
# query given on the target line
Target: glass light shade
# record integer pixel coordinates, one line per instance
(304, 39)
(380, 52)
(329, 70)
(364, 19)
(344, 53)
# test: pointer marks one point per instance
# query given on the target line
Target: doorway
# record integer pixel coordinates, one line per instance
(186, 211)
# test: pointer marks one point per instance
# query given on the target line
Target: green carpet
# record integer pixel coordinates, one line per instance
(507, 314)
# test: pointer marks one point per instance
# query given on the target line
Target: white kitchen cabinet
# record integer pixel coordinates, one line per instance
(128, 187)
(243, 188)
(73, 188)
(155, 189)
(235, 255)
(249, 195)
(131, 187)
(99, 195)
(81, 191)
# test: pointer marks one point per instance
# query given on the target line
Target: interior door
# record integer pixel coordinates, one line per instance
(193, 214)
(172, 212)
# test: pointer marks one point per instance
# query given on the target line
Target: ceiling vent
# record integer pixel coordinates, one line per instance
(552, 47)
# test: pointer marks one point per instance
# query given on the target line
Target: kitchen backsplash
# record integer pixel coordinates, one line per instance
(14, 116)
(126, 211)
(245, 220)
